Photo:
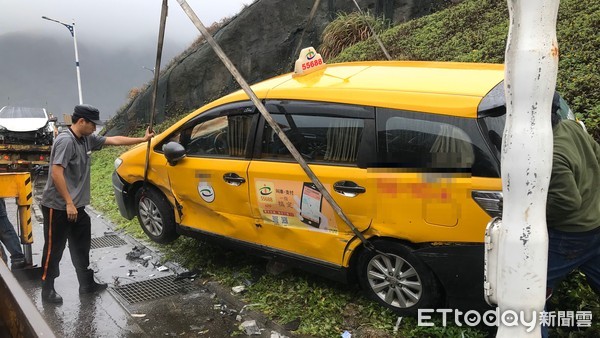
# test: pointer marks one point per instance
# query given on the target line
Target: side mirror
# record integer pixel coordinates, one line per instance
(174, 152)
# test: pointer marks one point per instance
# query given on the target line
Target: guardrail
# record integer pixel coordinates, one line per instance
(17, 312)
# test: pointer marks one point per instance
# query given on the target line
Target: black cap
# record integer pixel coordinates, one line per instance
(88, 112)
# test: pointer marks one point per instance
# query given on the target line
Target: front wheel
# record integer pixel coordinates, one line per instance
(397, 279)
(155, 215)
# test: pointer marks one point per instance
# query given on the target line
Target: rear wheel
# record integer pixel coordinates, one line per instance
(397, 279)
(155, 215)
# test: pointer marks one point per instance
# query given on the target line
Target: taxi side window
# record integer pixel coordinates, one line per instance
(221, 136)
(319, 139)
(430, 142)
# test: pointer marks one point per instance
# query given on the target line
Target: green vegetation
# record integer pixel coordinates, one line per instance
(346, 30)
(476, 30)
(473, 31)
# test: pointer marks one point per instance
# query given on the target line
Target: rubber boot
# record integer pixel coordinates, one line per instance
(17, 263)
(49, 295)
(87, 284)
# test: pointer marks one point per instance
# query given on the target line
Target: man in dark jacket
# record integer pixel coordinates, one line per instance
(573, 207)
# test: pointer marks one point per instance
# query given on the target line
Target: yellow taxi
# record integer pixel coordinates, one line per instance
(409, 150)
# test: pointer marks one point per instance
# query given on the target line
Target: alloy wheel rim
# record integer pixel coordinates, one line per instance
(151, 217)
(394, 280)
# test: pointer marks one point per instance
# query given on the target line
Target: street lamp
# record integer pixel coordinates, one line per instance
(150, 69)
(71, 29)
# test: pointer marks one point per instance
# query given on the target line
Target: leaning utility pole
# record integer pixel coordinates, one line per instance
(530, 81)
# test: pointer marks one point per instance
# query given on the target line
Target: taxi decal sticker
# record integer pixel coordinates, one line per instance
(206, 192)
(294, 204)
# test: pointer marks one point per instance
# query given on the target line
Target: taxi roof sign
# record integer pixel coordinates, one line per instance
(308, 61)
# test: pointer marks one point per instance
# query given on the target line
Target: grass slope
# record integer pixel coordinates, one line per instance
(476, 30)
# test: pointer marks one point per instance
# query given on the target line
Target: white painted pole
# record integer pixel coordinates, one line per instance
(530, 80)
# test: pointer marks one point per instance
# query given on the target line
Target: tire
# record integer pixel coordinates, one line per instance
(399, 281)
(155, 215)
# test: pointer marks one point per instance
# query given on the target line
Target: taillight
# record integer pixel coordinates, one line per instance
(490, 201)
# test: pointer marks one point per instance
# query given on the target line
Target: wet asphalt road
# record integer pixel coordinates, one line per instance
(142, 299)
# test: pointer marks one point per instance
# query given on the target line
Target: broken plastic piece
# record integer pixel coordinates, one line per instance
(238, 289)
(346, 334)
(250, 327)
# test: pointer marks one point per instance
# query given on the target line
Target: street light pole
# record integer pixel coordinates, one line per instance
(71, 29)
(149, 69)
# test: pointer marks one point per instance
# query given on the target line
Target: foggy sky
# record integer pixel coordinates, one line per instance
(116, 39)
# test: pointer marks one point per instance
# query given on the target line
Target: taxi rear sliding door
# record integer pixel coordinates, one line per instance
(427, 167)
(335, 140)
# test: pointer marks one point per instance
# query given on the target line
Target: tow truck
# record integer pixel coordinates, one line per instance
(18, 316)
(26, 136)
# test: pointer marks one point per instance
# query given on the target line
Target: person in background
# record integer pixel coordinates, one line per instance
(65, 196)
(9, 238)
(573, 206)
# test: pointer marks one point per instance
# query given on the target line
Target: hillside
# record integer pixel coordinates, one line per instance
(476, 31)
(262, 42)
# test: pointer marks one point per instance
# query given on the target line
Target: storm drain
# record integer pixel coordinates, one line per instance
(106, 241)
(153, 289)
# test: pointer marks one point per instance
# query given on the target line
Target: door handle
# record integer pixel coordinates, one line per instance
(348, 188)
(233, 179)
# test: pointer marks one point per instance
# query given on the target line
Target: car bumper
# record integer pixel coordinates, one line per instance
(123, 199)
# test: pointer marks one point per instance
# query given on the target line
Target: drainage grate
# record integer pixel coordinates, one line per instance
(153, 289)
(106, 241)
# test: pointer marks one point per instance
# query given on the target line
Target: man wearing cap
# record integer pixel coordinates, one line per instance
(65, 196)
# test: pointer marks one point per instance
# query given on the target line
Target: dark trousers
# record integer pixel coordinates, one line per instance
(57, 231)
(568, 251)
(8, 235)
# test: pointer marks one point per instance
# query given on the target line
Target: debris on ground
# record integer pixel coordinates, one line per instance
(238, 289)
(139, 254)
(275, 334)
(224, 310)
(162, 268)
(292, 325)
(346, 334)
(397, 326)
(248, 306)
(250, 327)
(187, 275)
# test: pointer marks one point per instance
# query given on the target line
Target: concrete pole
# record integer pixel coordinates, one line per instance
(530, 80)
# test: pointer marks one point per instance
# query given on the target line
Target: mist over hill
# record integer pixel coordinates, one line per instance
(39, 71)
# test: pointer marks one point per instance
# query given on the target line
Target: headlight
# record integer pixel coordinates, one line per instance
(118, 162)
